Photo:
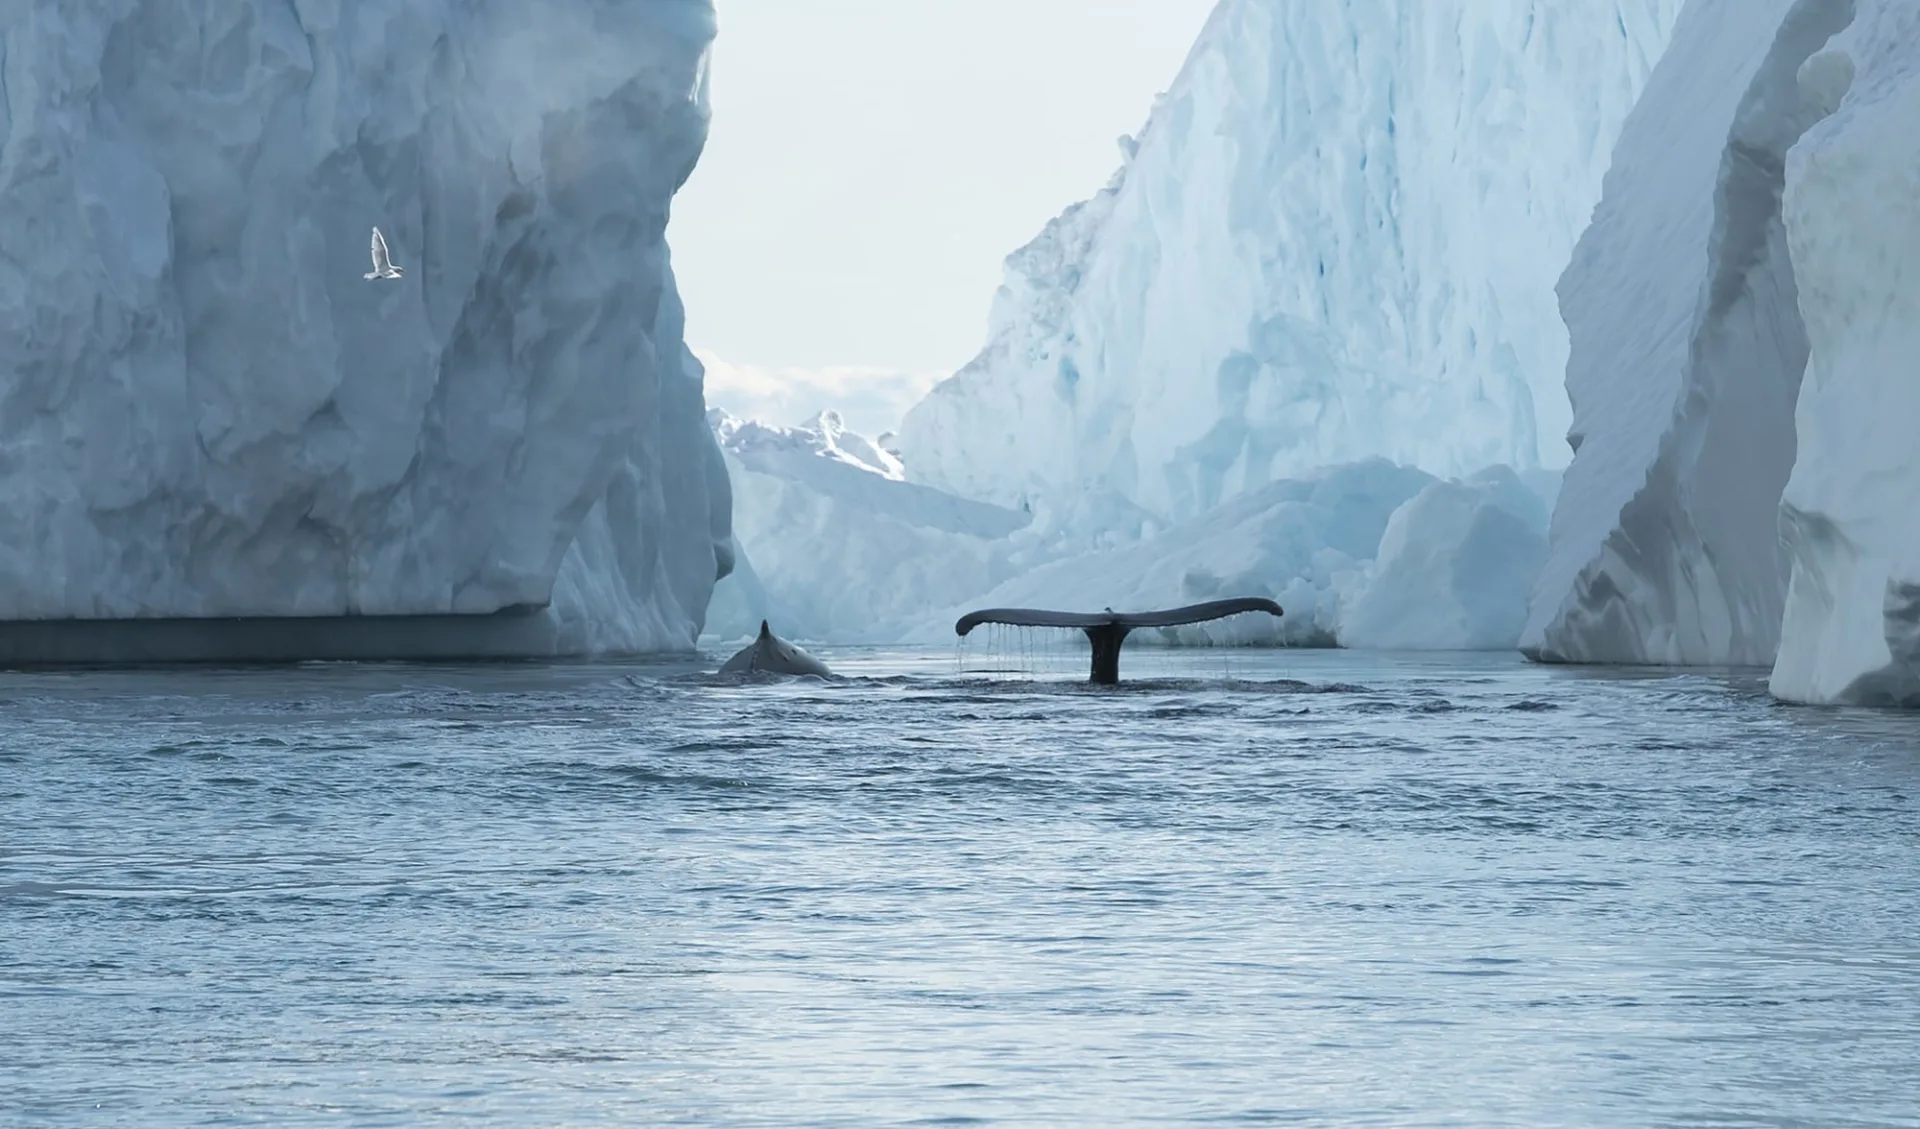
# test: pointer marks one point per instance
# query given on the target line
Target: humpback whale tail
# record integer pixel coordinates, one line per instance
(1107, 630)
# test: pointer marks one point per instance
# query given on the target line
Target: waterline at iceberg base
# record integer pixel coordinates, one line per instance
(508, 633)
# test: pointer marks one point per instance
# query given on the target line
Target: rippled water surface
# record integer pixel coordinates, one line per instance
(1257, 888)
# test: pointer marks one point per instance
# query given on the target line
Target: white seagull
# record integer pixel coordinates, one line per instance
(382, 266)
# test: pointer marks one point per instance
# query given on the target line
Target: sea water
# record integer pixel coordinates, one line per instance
(1257, 888)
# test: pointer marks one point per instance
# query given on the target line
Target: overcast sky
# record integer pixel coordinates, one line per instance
(872, 161)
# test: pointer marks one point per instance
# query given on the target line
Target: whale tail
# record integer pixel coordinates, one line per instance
(1107, 630)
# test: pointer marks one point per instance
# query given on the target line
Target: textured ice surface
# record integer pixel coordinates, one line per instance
(1335, 239)
(1849, 516)
(1453, 569)
(208, 412)
(1687, 356)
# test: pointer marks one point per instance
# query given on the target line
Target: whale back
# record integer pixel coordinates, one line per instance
(770, 654)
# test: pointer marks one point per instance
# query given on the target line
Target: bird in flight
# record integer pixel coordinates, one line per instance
(382, 265)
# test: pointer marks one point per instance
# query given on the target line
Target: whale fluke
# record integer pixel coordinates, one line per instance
(773, 655)
(1108, 629)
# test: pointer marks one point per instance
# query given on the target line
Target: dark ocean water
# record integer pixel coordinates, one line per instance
(1249, 888)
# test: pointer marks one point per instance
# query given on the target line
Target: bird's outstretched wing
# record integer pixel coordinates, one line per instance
(381, 263)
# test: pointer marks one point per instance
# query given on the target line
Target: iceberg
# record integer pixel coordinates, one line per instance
(1453, 569)
(1851, 626)
(1335, 239)
(207, 412)
(837, 544)
(1367, 554)
(1303, 542)
(841, 546)
(1687, 353)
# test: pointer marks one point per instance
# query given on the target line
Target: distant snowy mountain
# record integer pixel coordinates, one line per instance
(1335, 239)
(835, 544)
(869, 400)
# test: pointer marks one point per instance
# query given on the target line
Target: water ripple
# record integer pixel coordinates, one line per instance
(1300, 887)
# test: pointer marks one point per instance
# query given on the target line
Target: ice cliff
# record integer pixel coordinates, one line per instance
(1335, 239)
(1687, 354)
(207, 411)
(1851, 631)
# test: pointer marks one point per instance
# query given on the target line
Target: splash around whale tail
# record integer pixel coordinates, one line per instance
(1108, 629)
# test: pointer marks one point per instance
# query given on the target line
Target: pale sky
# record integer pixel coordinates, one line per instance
(873, 161)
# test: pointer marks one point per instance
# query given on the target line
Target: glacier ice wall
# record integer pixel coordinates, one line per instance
(207, 411)
(1687, 353)
(1335, 239)
(1851, 631)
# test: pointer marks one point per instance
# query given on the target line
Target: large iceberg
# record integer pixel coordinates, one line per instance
(1852, 623)
(1687, 355)
(1335, 239)
(207, 412)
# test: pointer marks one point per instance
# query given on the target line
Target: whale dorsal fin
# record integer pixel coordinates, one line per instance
(765, 631)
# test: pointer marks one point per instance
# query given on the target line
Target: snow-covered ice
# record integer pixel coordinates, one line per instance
(839, 546)
(1453, 569)
(1335, 239)
(208, 412)
(1852, 624)
(1686, 357)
